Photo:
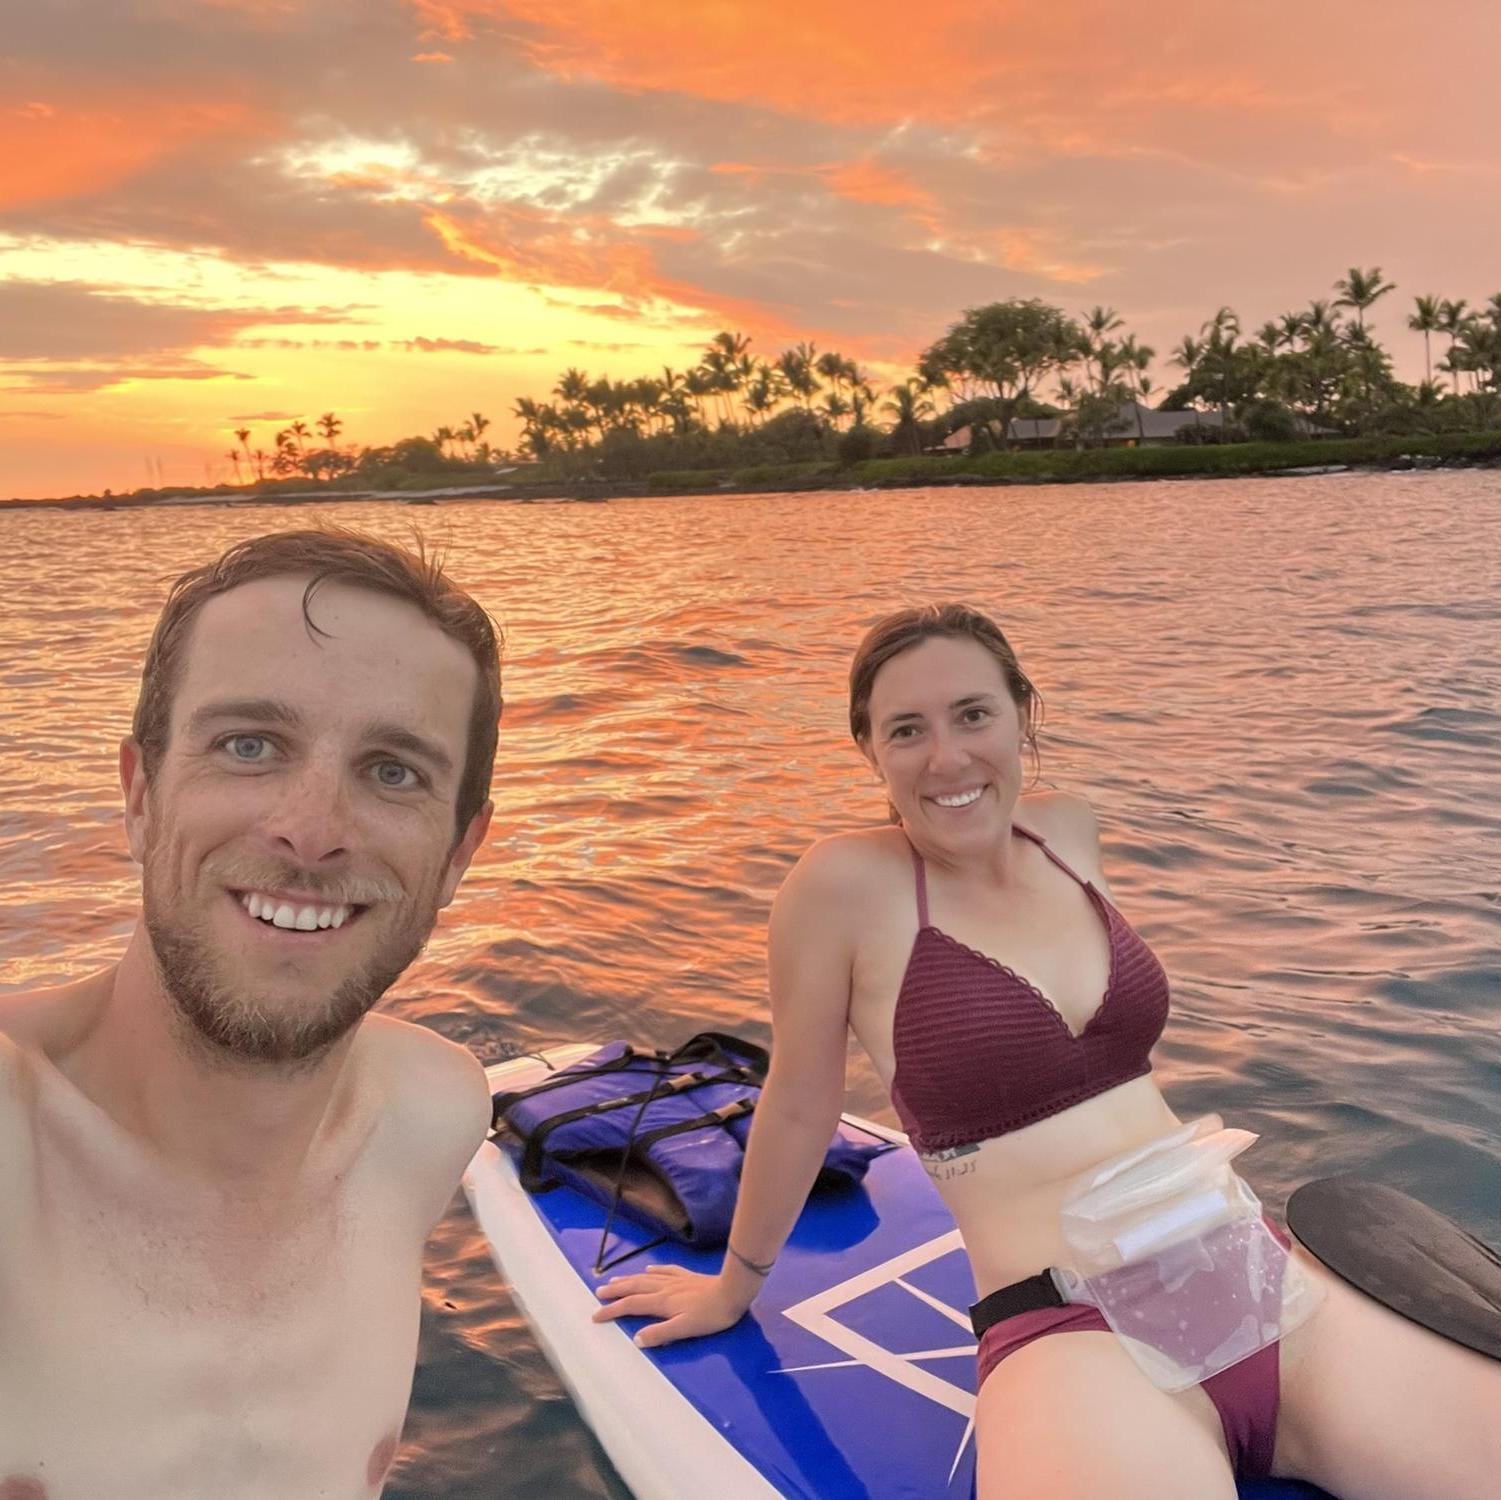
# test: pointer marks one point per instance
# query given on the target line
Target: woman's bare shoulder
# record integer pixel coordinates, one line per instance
(1068, 823)
(845, 861)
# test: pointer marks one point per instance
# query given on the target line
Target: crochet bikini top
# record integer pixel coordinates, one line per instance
(981, 1052)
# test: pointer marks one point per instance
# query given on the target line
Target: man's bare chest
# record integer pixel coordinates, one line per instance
(156, 1352)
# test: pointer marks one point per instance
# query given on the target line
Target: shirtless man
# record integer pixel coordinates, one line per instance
(217, 1171)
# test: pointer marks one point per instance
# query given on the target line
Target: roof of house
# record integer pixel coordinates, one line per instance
(1132, 420)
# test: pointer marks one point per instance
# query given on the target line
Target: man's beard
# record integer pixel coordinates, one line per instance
(234, 1024)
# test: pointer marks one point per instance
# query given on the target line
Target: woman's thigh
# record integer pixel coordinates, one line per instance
(1374, 1406)
(1069, 1416)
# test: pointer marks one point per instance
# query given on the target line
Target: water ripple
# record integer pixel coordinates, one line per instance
(1283, 697)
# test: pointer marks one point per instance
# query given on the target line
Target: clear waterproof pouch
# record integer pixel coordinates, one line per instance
(1172, 1247)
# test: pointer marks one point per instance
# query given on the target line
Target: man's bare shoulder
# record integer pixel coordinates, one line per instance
(436, 1102)
(52, 1019)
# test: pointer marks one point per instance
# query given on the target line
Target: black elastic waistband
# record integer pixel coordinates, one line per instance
(1031, 1295)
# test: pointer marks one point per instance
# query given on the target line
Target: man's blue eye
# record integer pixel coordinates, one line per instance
(246, 746)
(391, 773)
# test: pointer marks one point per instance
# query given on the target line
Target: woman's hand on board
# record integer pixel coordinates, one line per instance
(689, 1305)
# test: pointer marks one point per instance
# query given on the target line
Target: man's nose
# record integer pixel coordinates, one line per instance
(311, 820)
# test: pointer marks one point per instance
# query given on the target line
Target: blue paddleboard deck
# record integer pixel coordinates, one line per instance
(854, 1375)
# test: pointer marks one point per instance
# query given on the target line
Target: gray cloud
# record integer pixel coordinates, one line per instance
(80, 321)
(66, 380)
(421, 345)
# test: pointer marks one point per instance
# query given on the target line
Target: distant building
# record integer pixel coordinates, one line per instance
(1135, 426)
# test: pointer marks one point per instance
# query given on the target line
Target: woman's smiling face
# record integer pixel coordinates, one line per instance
(946, 737)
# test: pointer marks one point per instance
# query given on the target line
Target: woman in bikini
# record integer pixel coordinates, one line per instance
(1011, 1010)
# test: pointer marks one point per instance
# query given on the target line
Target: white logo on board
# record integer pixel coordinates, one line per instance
(909, 1370)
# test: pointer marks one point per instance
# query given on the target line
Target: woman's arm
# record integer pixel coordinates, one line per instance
(810, 956)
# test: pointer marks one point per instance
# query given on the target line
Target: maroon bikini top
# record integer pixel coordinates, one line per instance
(981, 1052)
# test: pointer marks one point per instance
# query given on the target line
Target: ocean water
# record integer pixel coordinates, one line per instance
(1283, 697)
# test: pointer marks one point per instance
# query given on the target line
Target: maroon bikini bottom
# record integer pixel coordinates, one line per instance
(1245, 1395)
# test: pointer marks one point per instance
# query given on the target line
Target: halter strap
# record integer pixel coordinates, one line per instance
(920, 871)
(1042, 844)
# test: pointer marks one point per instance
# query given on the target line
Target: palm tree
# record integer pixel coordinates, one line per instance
(299, 430)
(1360, 289)
(834, 368)
(764, 389)
(1480, 346)
(527, 410)
(1226, 323)
(718, 379)
(1318, 319)
(234, 457)
(1098, 322)
(1070, 397)
(599, 397)
(862, 393)
(330, 426)
(835, 406)
(727, 361)
(571, 387)
(798, 370)
(697, 384)
(1137, 359)
(1188, 354)
(1451, 320)
(1428, 319)
(909, 404)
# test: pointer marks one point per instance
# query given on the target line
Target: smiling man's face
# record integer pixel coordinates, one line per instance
(297, 838)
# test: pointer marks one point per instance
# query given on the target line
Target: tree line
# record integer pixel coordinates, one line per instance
(1320, 368)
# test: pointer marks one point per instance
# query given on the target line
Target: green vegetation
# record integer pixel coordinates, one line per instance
(1312, 387)
(1226, 458)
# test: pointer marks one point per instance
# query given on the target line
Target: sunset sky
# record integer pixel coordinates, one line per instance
(226, 213)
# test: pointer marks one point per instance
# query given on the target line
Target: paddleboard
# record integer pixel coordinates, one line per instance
(853, 1376)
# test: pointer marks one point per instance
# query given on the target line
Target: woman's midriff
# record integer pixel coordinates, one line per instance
(1006, 1194)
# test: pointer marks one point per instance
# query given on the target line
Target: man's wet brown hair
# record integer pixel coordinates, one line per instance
(330, 554)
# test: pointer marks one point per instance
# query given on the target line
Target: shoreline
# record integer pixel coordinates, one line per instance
(992, 470)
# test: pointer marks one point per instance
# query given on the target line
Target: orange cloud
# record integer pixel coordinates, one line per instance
(867, 181)
(584, 253)
(55, 148)
(848, 60)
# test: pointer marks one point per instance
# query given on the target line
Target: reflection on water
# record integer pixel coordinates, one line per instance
(1282, 696)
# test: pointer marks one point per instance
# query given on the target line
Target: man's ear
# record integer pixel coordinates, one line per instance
(464, 851)
(137, 789)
